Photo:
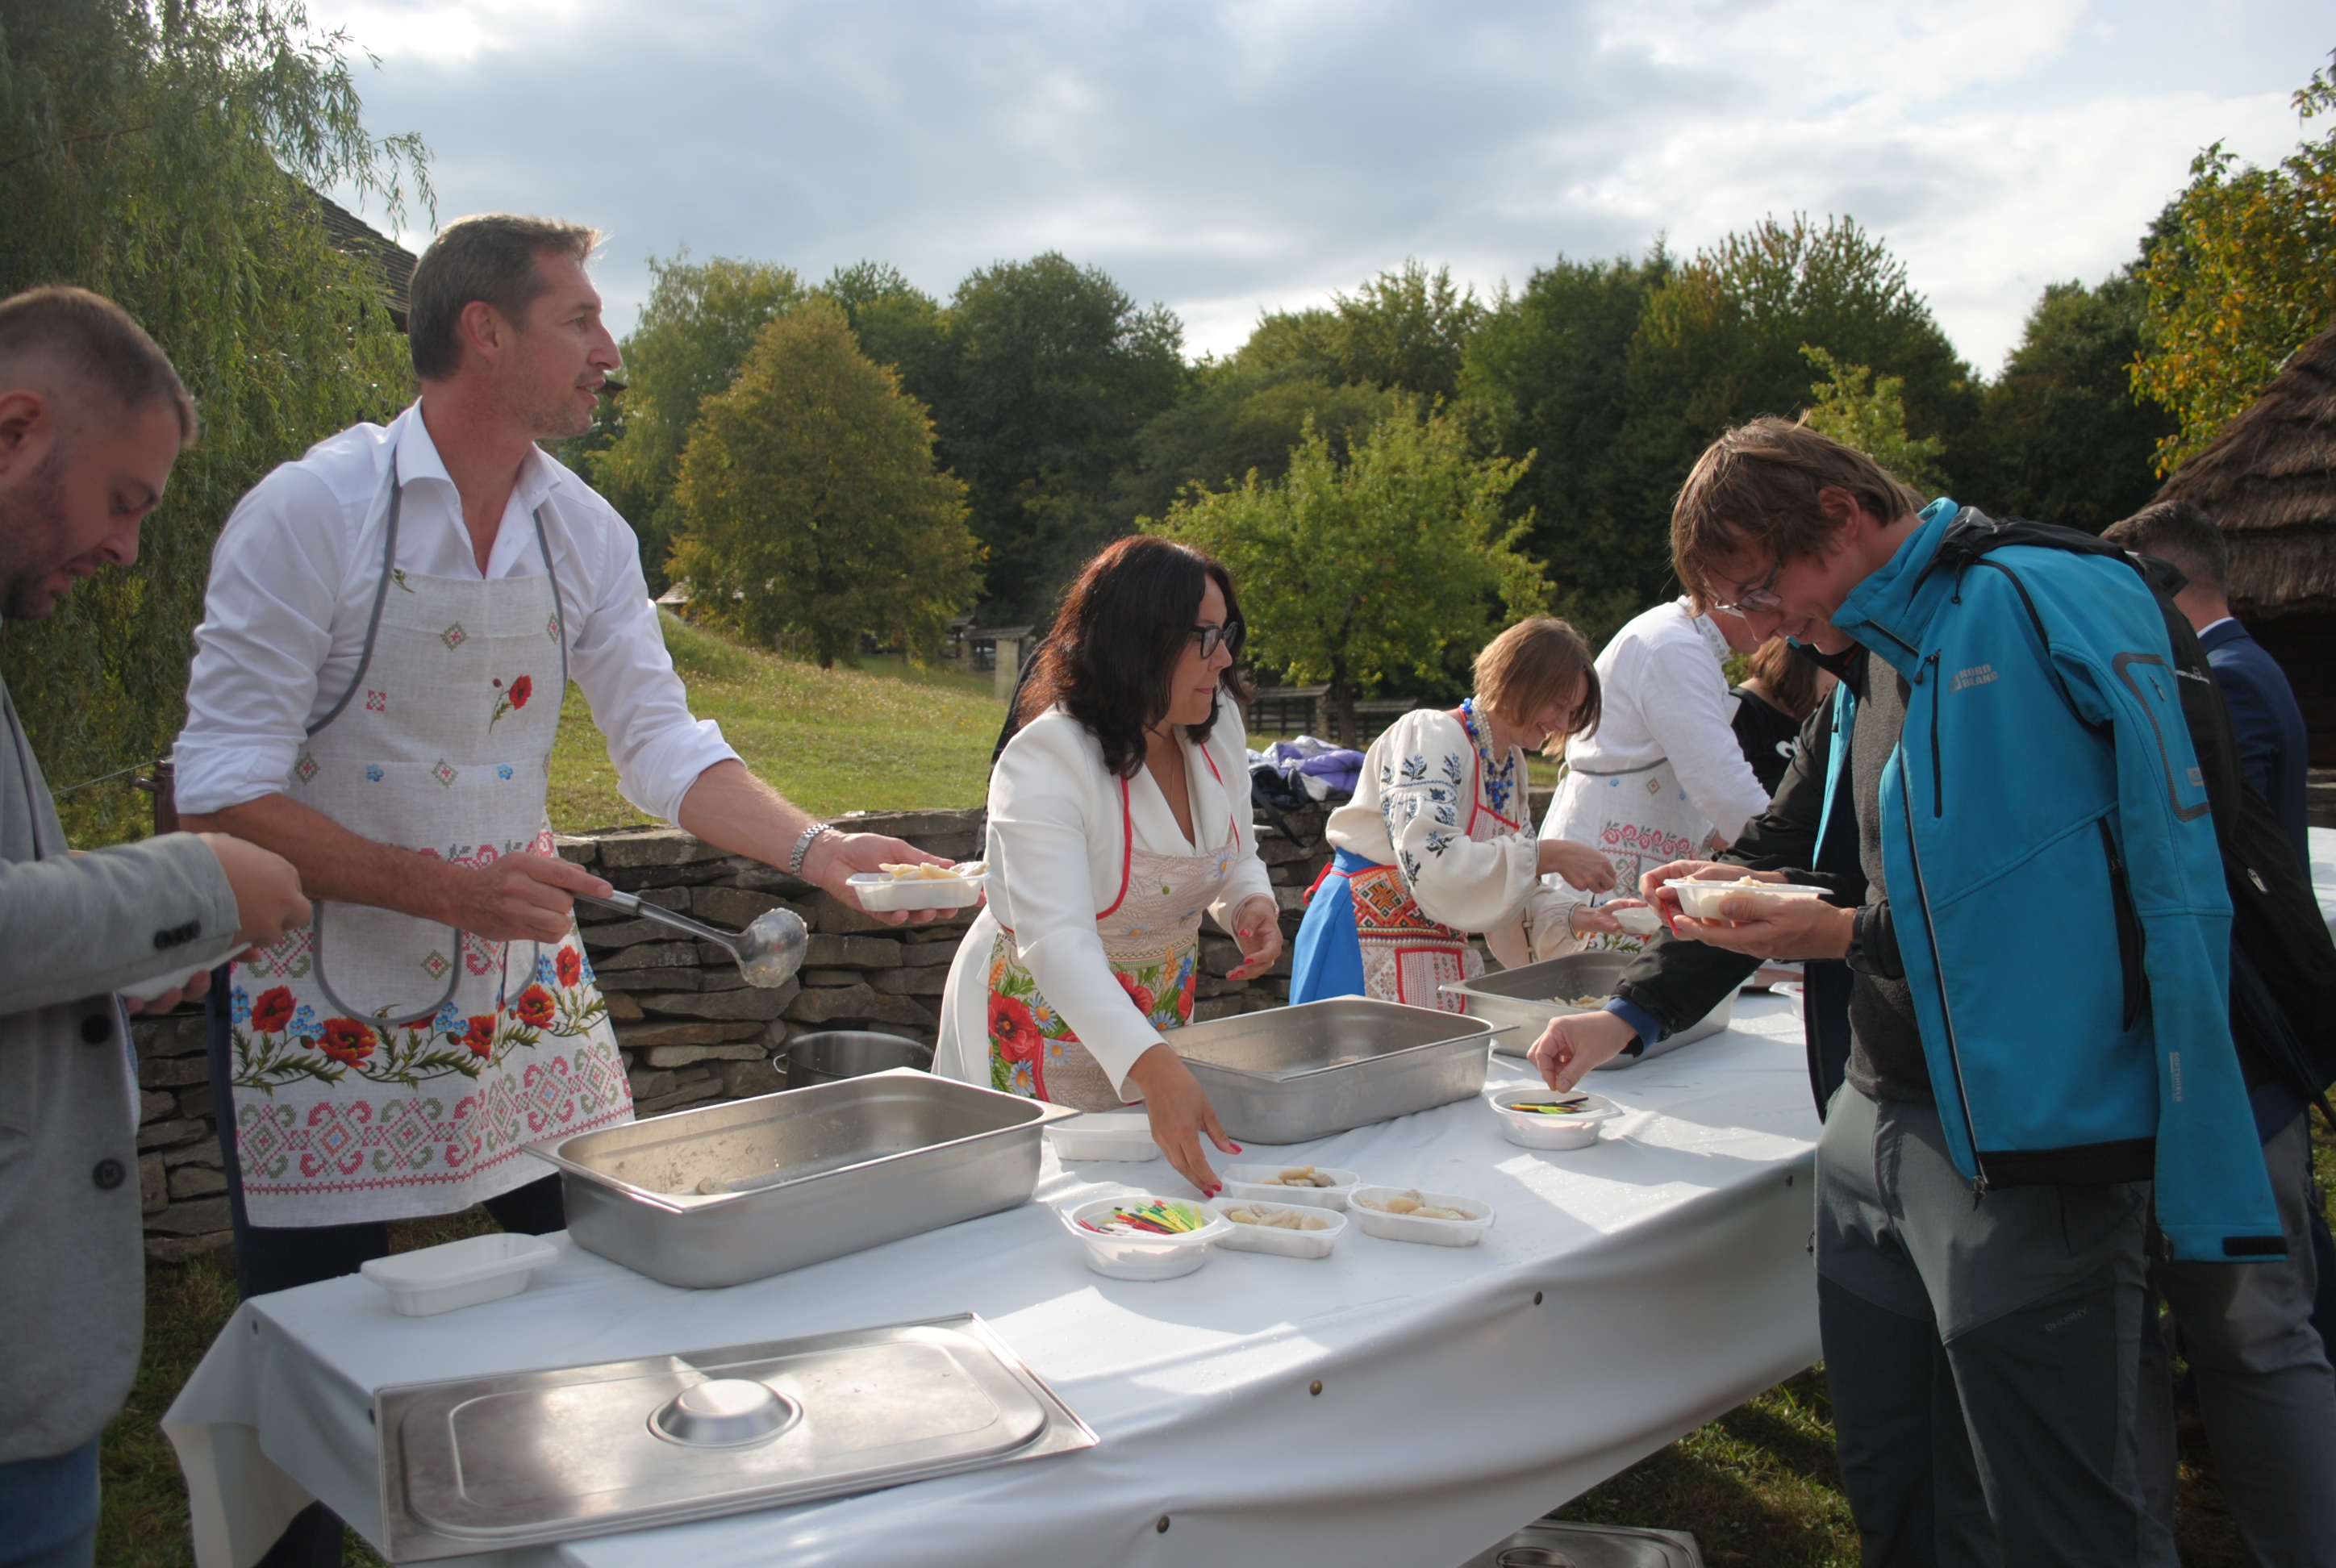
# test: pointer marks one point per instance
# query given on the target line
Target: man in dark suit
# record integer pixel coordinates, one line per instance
(2258, 1344)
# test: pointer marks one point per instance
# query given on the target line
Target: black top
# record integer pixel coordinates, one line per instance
(1769, 734)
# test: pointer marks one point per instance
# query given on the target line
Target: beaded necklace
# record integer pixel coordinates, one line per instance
(1500, 783)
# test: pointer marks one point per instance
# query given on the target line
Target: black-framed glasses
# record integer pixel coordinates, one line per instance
(1229, 637)
(1762, 598)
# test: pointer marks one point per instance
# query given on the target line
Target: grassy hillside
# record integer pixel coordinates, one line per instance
(831, 741)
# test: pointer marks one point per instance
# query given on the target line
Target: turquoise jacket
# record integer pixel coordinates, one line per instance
(2056, 886)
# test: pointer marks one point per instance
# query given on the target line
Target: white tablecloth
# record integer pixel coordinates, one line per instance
(1670, 1258)
(2323, 872)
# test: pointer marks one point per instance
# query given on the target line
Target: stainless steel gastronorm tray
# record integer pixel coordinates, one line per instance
(1528, 997)
(1290, 1074)
(818, 1173)
(524, 1458)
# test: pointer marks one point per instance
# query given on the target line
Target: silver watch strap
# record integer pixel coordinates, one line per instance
(802, 847)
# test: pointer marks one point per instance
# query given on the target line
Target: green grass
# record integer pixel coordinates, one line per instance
(884, 738)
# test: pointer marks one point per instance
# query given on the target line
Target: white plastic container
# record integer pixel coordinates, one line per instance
(1273, 1239)
(1413, 1228)
(460, 1273)
(1536, 1129)
(1124, 1136)
(882, 893)
(1639, 920)
(1250, 1181)
(1792, 991)
(1701, 899)
(1141, 1257)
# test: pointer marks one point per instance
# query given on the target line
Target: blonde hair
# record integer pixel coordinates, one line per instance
(1534, 664)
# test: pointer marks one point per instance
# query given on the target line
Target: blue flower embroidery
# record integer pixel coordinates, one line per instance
(543, 970)
(1415, 768)
(373, 773)
(1439, 842)
(242, 1008)
(304, 1025)
(504, 772)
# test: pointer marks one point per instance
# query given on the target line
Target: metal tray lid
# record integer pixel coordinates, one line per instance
(520, 1459)
(1327, 1036)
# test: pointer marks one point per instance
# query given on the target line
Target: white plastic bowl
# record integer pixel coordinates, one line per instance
(1701, 899)
(1250, 1181)
(1124, 1136)
(1411, 1227)
(1533, 1130)
(1791, 990)
(1272, 1239)
(459, 1273)
(1639, 920)
(880, 892)
(1141, 1257)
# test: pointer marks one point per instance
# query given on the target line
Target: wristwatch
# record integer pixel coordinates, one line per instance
(802, 847)
(1856, 956)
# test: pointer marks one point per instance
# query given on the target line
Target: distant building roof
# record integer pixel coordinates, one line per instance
(392, 262)
(2269, 482)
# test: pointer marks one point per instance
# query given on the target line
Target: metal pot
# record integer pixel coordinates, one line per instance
(830, 1056)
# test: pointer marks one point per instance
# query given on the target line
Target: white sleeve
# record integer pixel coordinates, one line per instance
(276, 573)
(1468, 884)
(1685, 705)
(1045, 810)
(616, 655)
(1248, 877)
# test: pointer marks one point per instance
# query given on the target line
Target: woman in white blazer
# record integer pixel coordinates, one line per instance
(1119, 815)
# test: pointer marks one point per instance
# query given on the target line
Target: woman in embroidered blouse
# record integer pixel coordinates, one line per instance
(1438, 840)
(1118, 814)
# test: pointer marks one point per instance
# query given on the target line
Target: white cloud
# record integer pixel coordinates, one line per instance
(1250, 154)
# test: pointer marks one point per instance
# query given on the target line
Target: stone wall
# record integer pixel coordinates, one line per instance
(691, 1030)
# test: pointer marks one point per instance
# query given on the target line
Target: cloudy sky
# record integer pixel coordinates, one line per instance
(1228, 158)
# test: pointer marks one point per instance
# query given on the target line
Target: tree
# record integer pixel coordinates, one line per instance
(813, 513)
(2242, 273)
(1545, 379)
(696, 329)
(2067, 441)
(897, 323)
(1405, 330)
(1056, 371)
(1856, 410)
(160, 160)
(1377, 569)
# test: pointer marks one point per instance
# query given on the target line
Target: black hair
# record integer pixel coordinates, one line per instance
(1115, 641)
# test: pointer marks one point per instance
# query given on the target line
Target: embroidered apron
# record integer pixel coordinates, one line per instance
(1151, 937)
(1408, 957)
(385, 1066)
(1638, 818)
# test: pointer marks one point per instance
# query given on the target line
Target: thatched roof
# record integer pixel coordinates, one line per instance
(391, 262)
(2269, 482)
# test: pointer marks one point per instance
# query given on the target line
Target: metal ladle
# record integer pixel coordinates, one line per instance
(769, 951)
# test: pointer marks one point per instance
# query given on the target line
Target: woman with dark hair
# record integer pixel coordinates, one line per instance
(1438, 840)
(1119, 814)
(1776, 697)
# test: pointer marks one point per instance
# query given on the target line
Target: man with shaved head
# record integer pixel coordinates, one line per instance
(92, 418)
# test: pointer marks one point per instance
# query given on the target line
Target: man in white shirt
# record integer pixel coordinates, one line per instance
(390, 628)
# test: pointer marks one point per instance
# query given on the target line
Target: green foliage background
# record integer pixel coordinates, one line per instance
(159, 159)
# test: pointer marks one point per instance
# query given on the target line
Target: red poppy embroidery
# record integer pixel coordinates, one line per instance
(273, 1010)
(1014, 1030)
(513, 697)
(1140, 995)
(481, 1036)
(534, 1008)
(569, 963)
(347, 1041)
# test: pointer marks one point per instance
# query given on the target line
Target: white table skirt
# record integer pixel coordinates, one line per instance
(2323, 872)
(1671, 1262)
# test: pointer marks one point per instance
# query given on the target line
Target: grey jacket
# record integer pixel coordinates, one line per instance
(73, 928)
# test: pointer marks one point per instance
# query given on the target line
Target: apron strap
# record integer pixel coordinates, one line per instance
(1126, 850)
(380, 594)
(1232, 822)
(558, 605)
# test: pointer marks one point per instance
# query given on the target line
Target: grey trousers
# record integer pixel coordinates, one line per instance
(1981, 1352)
(2264, 1382)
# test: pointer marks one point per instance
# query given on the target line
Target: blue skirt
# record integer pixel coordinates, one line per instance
(1328, 962)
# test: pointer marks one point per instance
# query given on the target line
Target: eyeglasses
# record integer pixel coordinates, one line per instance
(1762, 598)
(1229, 637)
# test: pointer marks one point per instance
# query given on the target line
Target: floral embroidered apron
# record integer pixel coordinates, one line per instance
(1151, 937)
(385, 1066)
(1408, 957)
